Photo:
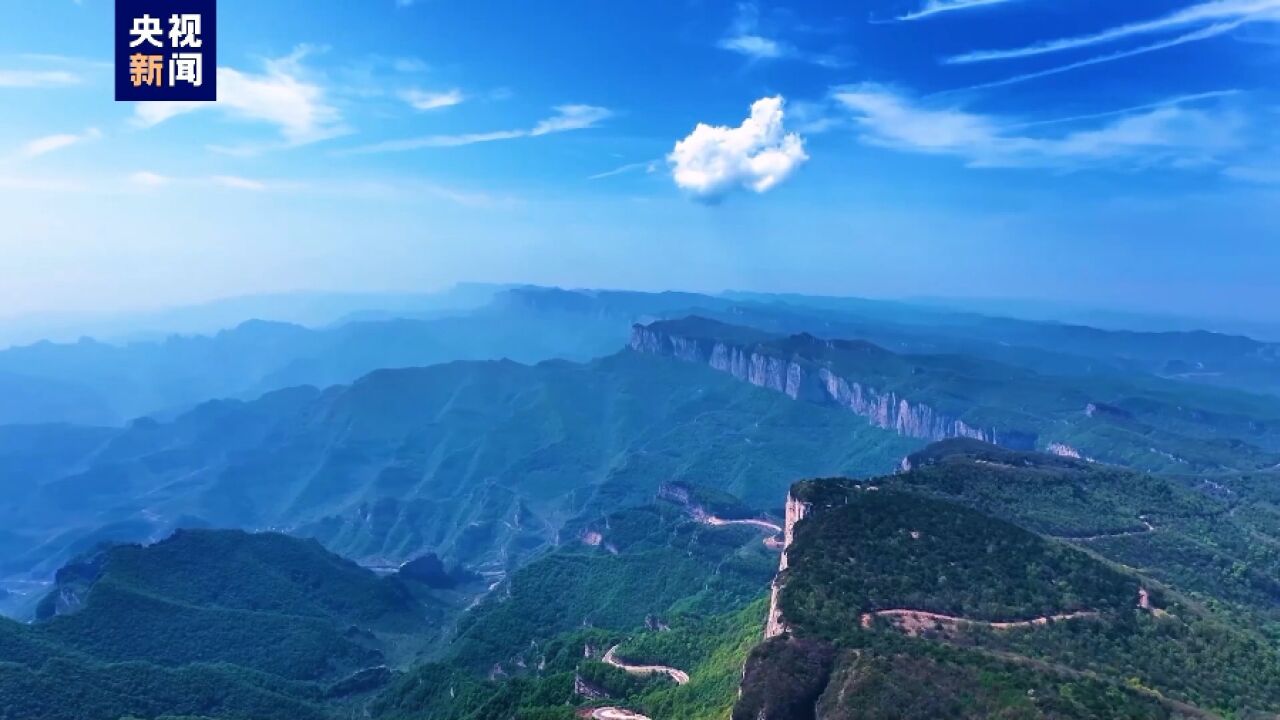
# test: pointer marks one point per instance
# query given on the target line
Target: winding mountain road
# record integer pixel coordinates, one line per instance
(611, 658)
(914, 621)
(1147, 530)
(617, 713)
(762, 524)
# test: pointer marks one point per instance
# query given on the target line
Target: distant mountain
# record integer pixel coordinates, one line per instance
(482, 463)
(1191, 355)
(990, 583)
(211, 623)
(91, 382)
(1258, 327)
(1111, 418)
(308, 308)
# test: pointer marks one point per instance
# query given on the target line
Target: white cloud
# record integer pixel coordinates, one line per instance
(52, 143)
(935, 7)
(423, 100)
(1201, 34)
(567, 117)
(649, 166)
(757, 155)
(753, 46)
(745, 37)
(571, 117)
(1218, 15)
(1173, 133)
(280, 96)
(37, 78)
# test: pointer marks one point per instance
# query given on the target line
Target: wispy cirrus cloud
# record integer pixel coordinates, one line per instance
(426, 101)
(1176, 132)
(565, 119)
(746, 37)
(757, 155)
(938, 7)
(649, 166)
(52, 143)
(1201, 34)
(1213, 18)
(754, 46)
(282, 95)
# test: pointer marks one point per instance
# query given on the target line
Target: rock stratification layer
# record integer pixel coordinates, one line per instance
(802, 377)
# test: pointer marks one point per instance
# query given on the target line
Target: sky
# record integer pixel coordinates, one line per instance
(1112, 154)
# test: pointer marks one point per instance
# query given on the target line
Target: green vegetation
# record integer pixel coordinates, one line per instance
(888, 686)
(664, 589)
(905, 679)
(216, 623)
(444, 458)
(1215, 537)
(1168, 426)
(887, 550)
(1198, 642)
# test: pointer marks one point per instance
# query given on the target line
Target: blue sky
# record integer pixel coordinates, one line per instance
(1107, 153)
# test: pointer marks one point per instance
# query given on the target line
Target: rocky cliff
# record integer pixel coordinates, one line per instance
(796, 511)
(803, 378)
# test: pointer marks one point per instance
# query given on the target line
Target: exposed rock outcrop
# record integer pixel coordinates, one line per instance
(803, 378)
(796, 511)
(584, 688)
(1064, 450)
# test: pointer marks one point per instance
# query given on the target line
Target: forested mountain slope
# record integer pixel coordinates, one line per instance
(95, 382)
(987, 582)
(934, 397)
(217, 623)
(481, 462)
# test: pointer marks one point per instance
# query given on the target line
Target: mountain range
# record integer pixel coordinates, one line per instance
(110, 383)
(562, 504)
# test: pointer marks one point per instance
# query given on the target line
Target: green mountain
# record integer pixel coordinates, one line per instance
(482, 463)
(655, 585)
(982, 582)
(105, 383)
(986, 582)
(91, 382)
(1134, 422)
(212, 623)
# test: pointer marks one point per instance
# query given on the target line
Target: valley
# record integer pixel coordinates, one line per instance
(625, 531)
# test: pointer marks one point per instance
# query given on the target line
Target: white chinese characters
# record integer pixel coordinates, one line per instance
(145, 29)
(184, 65)
(184, 31)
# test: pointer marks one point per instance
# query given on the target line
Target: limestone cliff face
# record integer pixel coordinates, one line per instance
(1064, 450)
(803, 380)
(796, 511)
